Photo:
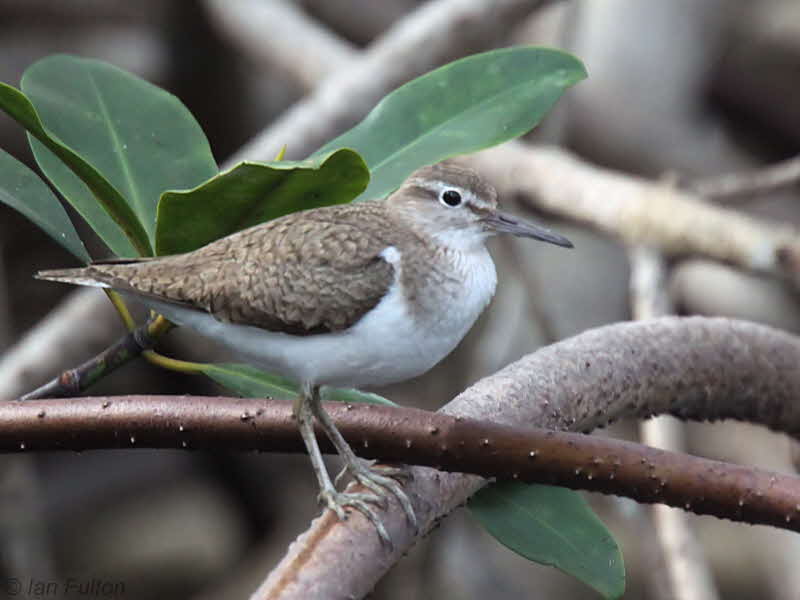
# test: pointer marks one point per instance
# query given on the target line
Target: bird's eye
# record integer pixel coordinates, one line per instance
(451, 198)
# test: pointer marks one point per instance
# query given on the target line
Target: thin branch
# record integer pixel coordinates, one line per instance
(762, 181)
(280, 33)
(537, 311)
(637, 210)
(411, 436)
(57, 341)
(688, 575)
(73, 382)
(648, 286)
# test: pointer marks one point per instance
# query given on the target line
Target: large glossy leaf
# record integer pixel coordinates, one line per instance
(106, 211)
(248, 381)
(251, 193)
(462, 107)
(553, 526)
(142, 138)
(24, 191)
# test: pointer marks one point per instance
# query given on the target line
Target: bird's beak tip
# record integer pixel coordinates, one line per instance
(504, 223)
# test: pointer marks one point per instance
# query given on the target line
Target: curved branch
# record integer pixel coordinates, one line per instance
(697, 368)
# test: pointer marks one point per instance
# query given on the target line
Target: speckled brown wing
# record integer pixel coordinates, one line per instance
(306, 273)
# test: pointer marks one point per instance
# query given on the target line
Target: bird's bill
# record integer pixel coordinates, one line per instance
(500, 222)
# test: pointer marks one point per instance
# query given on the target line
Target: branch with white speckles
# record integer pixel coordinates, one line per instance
(413, 436)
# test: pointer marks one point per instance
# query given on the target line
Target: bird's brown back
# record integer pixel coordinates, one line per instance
(308, 272)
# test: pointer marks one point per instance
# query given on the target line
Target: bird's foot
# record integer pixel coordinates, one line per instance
(337, 501)
(382, 480)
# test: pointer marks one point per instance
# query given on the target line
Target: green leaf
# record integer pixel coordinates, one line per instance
(115, 222)
(248, 381)
(142, 138)
(251, 193)
(553, 526)
(352, 395)
(462, 107)
(24, 191)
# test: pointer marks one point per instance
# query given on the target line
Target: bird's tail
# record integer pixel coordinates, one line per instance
(81, 276)
(95, 275)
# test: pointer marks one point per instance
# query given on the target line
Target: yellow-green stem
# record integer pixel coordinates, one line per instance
(122, 309)
(159, 326)
(173, 364)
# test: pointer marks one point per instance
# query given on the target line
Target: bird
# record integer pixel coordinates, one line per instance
(352, 295)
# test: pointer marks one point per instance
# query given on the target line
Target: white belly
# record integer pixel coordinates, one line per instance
(385, 346)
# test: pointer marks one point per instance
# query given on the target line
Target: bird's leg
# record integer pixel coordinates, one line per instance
(333, 499)
(379, 479)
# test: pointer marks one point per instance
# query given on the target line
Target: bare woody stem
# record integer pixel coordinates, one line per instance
(411, 436)
(73, 382)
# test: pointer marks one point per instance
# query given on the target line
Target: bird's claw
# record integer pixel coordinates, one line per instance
(383, 480)
(337, 501)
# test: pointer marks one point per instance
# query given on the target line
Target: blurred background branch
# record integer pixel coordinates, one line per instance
(681, 570)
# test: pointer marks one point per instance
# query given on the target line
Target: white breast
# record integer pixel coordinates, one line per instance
(389, 344)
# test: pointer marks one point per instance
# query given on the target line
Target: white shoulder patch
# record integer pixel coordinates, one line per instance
(391, 255)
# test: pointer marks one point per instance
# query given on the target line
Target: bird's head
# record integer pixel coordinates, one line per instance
(457, 208)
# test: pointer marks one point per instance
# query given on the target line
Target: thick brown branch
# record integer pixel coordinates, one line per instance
(697, 368)
(411, 436)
